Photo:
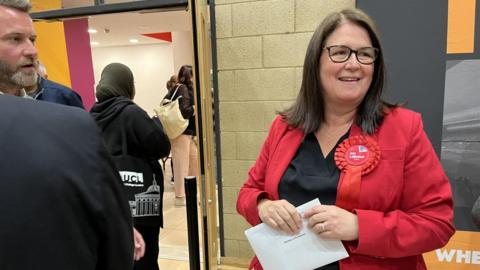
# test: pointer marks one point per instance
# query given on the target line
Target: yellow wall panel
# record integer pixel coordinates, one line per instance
(52, 51)
(41, 5)
(461, 26)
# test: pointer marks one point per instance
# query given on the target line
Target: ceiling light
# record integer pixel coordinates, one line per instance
(133, 40)
(93, 43)
(92, 31)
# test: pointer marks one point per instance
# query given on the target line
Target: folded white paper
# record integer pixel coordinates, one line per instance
(277, 250)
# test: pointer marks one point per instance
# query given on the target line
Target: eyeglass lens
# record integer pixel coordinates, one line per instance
(340, 53)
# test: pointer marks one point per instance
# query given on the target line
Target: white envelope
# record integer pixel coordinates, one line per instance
(304, 251)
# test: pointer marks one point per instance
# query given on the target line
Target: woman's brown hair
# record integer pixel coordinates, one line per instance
(185, 75)
(308, 111)
(172, 82)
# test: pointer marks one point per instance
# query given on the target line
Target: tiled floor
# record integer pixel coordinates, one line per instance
(173, 237)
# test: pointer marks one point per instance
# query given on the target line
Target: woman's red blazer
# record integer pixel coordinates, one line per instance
(405, 205)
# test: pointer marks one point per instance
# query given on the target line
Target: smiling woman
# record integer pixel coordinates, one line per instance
(342, 143)
(345, 80)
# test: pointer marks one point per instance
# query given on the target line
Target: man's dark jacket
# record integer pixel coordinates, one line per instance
(54, 92)
(61, 199)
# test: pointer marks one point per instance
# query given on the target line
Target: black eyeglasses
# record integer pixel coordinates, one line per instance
(341, 53)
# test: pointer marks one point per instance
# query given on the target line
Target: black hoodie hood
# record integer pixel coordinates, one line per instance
(105, 112)
(116, 80)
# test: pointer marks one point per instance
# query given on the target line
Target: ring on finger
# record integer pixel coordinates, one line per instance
(322, 226)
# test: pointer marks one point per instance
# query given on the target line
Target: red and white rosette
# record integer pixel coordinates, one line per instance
(355, 156)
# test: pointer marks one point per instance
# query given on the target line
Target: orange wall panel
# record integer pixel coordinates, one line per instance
(41, 5)
(461, 26)
(52, 51)
(461, 253)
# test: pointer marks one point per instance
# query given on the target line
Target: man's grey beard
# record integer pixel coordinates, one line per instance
(17, 79)
(23, 79)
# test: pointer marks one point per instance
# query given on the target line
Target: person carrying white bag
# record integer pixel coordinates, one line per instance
(180, 100)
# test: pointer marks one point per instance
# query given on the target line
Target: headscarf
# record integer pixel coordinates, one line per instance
(116, 80)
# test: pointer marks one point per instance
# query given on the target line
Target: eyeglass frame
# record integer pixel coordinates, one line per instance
(376, 50)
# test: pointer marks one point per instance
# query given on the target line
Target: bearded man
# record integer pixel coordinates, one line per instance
(17, 51)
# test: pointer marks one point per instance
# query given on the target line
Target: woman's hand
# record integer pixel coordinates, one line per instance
(139, 249)
(280, 215)
(331, 222)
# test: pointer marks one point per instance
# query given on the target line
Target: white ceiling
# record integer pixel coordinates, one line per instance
(125, 26)
(117, 29)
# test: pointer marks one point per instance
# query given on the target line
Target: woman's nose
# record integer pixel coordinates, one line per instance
(352, 62)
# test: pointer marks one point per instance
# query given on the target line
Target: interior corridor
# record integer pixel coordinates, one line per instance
(173, 239)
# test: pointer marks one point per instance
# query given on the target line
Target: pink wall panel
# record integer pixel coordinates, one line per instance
(80, 59)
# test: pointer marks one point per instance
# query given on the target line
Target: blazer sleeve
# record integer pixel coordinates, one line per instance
(424, 220)
(186, 102)
(254, 188)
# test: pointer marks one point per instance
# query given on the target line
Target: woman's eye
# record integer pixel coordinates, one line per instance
(340, 52)
(364, 54)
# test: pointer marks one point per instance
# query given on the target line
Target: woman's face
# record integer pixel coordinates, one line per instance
(346, 84)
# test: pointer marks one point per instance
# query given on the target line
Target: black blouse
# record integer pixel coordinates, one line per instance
(310, 176)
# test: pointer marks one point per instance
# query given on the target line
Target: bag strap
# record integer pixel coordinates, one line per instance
(168, 100)
(171, 98)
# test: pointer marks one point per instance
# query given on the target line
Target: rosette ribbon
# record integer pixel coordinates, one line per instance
(355, 156)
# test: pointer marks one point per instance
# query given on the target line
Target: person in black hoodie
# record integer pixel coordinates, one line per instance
(127, 129)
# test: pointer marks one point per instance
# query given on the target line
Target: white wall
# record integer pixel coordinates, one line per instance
(182, 49)
(152, 66)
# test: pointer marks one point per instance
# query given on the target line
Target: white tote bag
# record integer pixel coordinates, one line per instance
(171, 117)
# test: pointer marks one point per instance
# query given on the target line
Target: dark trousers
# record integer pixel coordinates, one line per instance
(150, 235)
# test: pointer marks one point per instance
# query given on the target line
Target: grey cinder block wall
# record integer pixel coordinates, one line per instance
(261, 46)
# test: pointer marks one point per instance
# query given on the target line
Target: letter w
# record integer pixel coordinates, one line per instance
(443, 255)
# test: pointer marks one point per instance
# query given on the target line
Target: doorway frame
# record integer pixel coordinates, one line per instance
(165, 6)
